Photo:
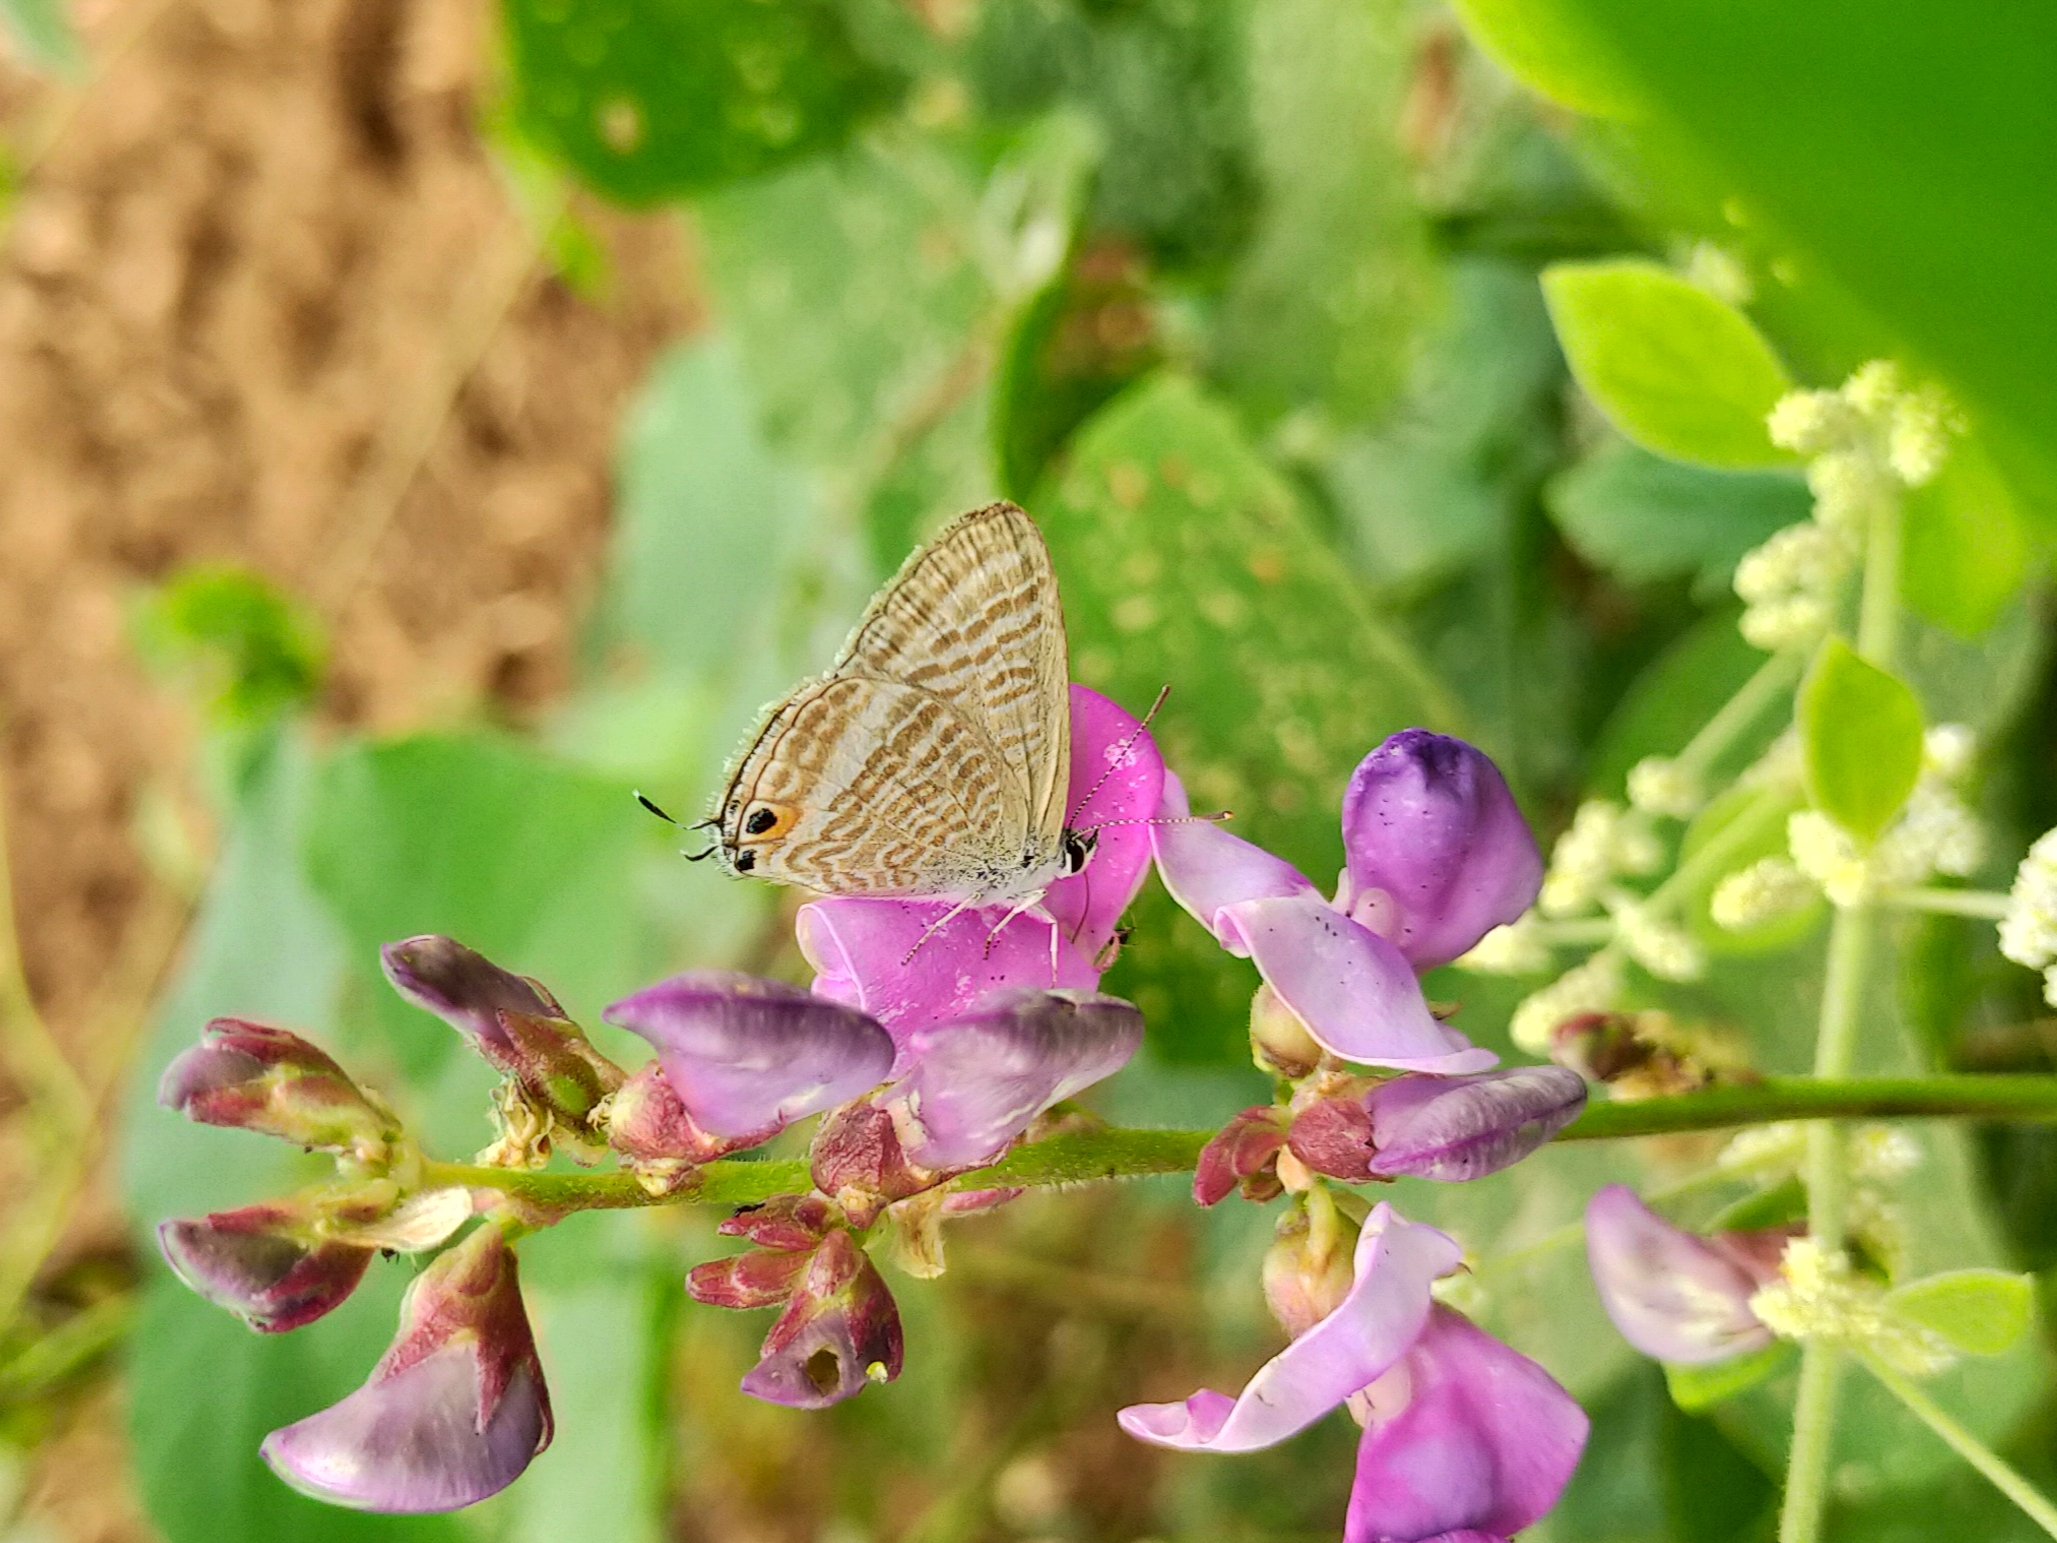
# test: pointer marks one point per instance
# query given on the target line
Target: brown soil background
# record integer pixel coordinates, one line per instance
(265, 298)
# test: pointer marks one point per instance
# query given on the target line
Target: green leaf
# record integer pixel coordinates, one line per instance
(1675, 369)
(1781, 1205)
(1860, 738)
(42, 30)
(1643, 518)
(1966, 551)
(1980, 1312)
(1698, 1388)
(1339, 265)
(1547, 45)
(648, 99)
(1184, 558)
(254, 654)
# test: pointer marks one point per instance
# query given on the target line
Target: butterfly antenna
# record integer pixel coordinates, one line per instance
(1121, 752)
(691, 857)
(1217, 818)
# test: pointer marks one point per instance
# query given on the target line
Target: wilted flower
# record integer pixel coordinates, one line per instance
(267, 1263)
(1437, 856)
(255, 1077)
(839, 1332)
(1446, 1128)
(1242, 1155)
(903, 963)
(1463, 1438)
(452, 1413)
(1674, 1295)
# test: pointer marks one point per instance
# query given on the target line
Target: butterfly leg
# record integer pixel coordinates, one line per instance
(938, 925)
(1034, 904)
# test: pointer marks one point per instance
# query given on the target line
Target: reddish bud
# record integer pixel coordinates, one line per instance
(256, 1077)
(759, 1277)
(263, 1262)
(1245, 1147)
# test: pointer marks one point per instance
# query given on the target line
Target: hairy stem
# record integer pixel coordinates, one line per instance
(2033, 1502)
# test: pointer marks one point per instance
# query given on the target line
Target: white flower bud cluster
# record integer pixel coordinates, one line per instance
(2028, 930)
(1658, 784)
(1863, 443)
(1604, 842)
(1663, 948)
(1592, 987)
(1765, 1150)
(1935, 832)
(1514, 949)
(1883, 1154)
(1818, 1296)
(1769, 888)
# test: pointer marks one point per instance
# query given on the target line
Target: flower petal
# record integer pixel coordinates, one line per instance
(256, 1263)
(974, 1085)
(1089, 903)
(462, 986)
(880, 956)
(1673, 1295)
(840, 1331)
(414, 1441)
(1458, 1128)
(1465, 1438)
(1352, 988)
(1388, 1303)
(747, 1055)
(1438, 852)
(1207, 870)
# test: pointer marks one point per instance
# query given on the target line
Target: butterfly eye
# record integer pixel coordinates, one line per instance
(769, 820)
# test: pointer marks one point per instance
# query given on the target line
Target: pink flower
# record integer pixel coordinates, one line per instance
(1674, 1295)
(1465, 1441)
(860, 949)
(1437, 856)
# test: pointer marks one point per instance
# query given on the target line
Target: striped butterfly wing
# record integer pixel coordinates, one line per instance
(935, 755)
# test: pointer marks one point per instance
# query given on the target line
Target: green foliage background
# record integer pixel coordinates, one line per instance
(1243, 300)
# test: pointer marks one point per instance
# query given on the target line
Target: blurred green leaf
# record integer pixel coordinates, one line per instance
(1860, 737)
(1980, 1312)
(1643, 518)
(1186, 560)
(1676, 370)
(1547, 45)
(253, 652)
(42, 32)
(1695, 1389)
(1966, 551)
(1320, 306)
(649, 99)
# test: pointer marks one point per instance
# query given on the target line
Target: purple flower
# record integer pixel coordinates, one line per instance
(453, 1412)
(1437, 855)
(840, 1331)
(1464, 1439)
(509, 1019)
(746, 1057)
(1674, 1295)
(860, 949)
(1445, 1128)
(256, 1077)
(263, 1262)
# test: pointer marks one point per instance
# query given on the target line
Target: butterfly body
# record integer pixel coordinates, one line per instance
(932, 759)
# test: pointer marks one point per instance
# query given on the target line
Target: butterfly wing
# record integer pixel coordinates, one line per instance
(856, 786)
(975, 620)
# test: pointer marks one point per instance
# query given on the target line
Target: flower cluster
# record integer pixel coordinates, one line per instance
(932, 1041)
(2028, 930)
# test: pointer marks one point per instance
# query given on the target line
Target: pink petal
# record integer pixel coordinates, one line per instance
(1466, 1438)
(1388, 1303)
(1089, 904)
(1207, 869)
(859, 949)
(1675, 1296)
(1355, 992)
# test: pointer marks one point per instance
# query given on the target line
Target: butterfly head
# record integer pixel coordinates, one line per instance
(1075, 848)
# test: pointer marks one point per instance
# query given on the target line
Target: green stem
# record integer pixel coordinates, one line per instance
(2034, 1504)
(1987, 905)
(1769, 808)
(1741, 710)
(1084, 1157)
(1807, 1464)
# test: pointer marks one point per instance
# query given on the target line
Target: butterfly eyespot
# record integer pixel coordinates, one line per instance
(745, 861)
(769, 820)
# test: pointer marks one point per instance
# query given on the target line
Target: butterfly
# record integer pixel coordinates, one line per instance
(932, 759)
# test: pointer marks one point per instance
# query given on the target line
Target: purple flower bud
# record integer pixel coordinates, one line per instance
(1438, 853)
(1241, 1150)
(509, 1019)
(453, 1412)
(1675, 1296)
(263, 1262)
(856, 1156)
(784, 1221)
(839, 1331)
(748, 1056)
(255, 1077)
(975, 1084)
(757, 1277)
(1445, 1128)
